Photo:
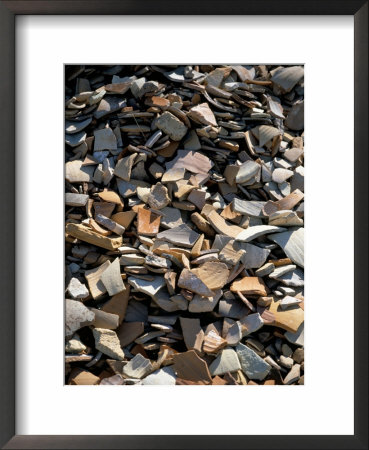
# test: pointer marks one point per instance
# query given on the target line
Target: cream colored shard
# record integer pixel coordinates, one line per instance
(85, 234)
(93, 277)
(214, 274)
(249, 285)
(221, 226)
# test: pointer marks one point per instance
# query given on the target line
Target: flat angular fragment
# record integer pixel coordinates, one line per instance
(137, 367)
(74, 140)
(129, 331)
(200, 304)
(109, 105)
(292, 243)
(251, 323)
(124, 218)
(231, 253)
(226, 361)
(76, 289)
(296, 338)
(265, 133)
(148, 222)
(287, 77)
(203, 114)
(190, 281)
(213, 343)
(150, 288)
(76, 127)
(109, 224)
(76, 316)
(213, 274)
(123, 167)
(105, 320)
(108, 343)
(193, 161)
(252, 365)
(247, 207)
(290, 319)
(75, 345)
(192, 333)
(105, 140)
(189, 366)
(163, 376)
(259, 230)
(285, 219)
(293, 375)
(254, 257)
(158, 197)
(247, 170)
(78, 200)
(221, 226)
(112, 279)
(81, 377)
(76, 173)
(93, 277)
(83, 233)
(249, 286)
(118, 303)
(181, 235)
(172, 217)
(171, 126)
(232, 308)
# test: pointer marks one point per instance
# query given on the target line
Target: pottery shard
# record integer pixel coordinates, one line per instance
(226, 361)
(252, 365)
(76, 289)
(214, 274)
(76, 316)
(213, 343)
(290, 319)
(203, 114)
(190, 281)
(138, 367)
(189, 366)
(293, 375)
(231, 253)
(105, 140)
(280, 175)
(287, 77)
(123, 167)
(109, 105)
(78, 200)
(158, 197)
(148, 287)
(256, 231)
(148, 222)
(295, 118)
(171, 126)
(251, 323)
(76, 173)
(247, 170)
(105, 320)
(221, 226)
(193, 161)
(82, 377)
(292, 243)
(204, 304)
(83, 233)
(164, 376)
(93, 277)
(254, 257)
(193, 335)
(182, 235)
(129, 331)
(108, 343)
(285, 218)
(112, 279)
(249, 286)
(118, 303)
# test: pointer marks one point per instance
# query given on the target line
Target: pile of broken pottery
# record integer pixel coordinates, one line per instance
(184, 225)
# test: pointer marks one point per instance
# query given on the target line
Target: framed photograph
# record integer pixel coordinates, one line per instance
(158, 289)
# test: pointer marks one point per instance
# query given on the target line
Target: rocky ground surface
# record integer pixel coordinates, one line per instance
(184, 225)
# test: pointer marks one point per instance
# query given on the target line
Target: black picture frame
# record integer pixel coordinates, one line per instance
(8, 11)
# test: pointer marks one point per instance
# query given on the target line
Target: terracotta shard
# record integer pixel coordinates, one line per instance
(189, 366)
(250, 286)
